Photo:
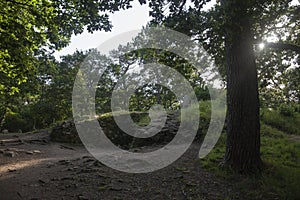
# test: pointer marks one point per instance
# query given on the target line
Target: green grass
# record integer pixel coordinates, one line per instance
(281, 177)
(276, 119)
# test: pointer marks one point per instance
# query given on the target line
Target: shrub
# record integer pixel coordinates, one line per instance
(14, 122)
(287, 110)
(269, 131)
(287, 124)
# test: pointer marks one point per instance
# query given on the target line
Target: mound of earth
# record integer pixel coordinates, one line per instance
(66, 131)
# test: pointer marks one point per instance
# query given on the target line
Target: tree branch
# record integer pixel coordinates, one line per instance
(283, 46)
(181, 7)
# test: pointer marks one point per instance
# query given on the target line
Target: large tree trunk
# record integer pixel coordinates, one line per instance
(243, 126)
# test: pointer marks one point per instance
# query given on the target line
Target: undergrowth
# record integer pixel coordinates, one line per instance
(281, 177)
(287, 122)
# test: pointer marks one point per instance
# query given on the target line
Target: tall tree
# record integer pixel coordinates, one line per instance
(229, 31)
(243, 125)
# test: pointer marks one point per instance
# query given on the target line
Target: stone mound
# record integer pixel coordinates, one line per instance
(66, 132)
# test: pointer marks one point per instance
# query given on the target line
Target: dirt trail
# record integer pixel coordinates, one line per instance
(32, 167)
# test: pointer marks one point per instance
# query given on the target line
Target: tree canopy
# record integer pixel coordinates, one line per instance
(31, 29)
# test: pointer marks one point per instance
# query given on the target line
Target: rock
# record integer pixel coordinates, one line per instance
(42, 181)
(89, 160)
(190, 184)
(103, 175)
(66, 147)
(37, 151)
(50, 165)
(84, 157)
(64, 162)
(66, 178)
(19, 194)
(11, 149)
(12, 170)
(86, 170)
(98, 164)
(72, 168)
(65, 132)
(81, 197)
(29, 152)
(115, 188)
(9, 153)
(5, 131)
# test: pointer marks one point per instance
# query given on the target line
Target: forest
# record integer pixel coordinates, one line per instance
(248, 126)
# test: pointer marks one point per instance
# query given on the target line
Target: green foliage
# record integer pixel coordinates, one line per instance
(47, 97)
(271, 132)
(29, 29)
(151, 93)
(204, 113)
(213, 160)
(278, 148)
(278, 69)
(14, 122)
(286, 110)
(279, 81)
(280, 153)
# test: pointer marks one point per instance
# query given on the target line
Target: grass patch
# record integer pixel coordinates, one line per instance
(213, 160)
(277, 119)
(281, 177)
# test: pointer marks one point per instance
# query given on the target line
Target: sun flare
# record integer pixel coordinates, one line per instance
(261, 46)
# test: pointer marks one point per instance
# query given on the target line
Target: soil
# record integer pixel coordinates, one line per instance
(33, 167)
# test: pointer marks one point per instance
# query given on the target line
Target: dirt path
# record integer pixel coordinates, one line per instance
(31, 167)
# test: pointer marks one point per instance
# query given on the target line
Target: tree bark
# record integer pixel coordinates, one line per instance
(243, 125)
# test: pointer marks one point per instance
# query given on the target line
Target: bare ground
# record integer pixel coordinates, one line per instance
(32, 167)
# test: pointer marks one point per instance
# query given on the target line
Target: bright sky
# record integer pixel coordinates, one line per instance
(122, 21)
